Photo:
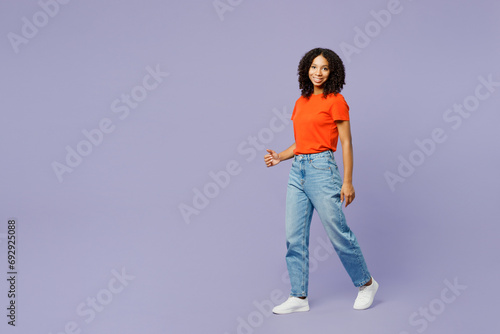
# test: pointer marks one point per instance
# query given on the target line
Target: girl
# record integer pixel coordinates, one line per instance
(320, 117)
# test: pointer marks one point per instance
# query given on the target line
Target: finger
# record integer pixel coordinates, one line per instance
(270, 151)
(341, 197)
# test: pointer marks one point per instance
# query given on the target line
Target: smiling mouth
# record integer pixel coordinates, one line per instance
(317, 80)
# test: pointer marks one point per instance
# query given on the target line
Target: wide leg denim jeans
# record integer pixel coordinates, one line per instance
(315, 183)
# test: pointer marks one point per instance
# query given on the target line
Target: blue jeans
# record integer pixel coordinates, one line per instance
(315, 183)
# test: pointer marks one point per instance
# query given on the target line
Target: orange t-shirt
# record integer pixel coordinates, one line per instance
(314, 125)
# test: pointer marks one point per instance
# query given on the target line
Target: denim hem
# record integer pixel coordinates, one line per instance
(360, 285)
(297, 295)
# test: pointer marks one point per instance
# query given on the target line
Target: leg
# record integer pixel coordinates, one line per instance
(299, 212)
(324, 192)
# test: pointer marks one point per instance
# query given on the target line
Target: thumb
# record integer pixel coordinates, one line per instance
(341, 197)
(270, 151)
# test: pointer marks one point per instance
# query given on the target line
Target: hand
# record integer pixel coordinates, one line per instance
(347, 193)
(272, 158)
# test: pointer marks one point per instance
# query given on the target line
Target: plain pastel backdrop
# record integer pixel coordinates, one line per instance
(167, 221)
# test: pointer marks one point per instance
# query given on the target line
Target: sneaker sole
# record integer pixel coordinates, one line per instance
(301, 309)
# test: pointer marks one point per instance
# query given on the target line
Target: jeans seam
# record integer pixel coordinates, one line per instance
(304, 247)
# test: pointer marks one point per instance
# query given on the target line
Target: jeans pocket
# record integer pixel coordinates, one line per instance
(321, 163)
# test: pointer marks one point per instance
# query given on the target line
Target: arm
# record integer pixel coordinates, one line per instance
(347, 191)
(273, 158)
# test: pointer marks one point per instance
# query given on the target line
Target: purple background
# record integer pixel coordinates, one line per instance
(120, 208)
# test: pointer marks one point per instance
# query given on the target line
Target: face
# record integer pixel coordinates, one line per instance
(319, 71)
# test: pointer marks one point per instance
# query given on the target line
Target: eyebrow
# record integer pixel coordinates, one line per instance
(318, 65)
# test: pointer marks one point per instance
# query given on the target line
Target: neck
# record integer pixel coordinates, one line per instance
(318, 90)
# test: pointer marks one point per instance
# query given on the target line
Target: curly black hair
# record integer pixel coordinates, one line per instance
(336, 78)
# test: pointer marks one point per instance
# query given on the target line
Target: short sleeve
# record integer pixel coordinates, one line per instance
(339, 109)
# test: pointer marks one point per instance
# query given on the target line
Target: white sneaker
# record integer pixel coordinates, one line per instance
(366, 295)
(292, 304)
